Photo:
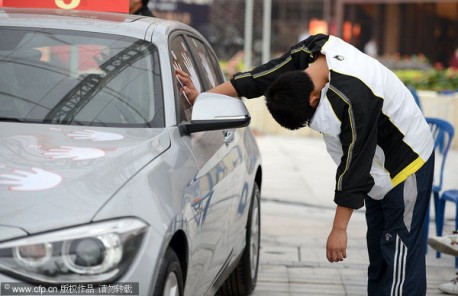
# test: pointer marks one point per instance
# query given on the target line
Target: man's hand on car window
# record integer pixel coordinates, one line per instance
(187, 86)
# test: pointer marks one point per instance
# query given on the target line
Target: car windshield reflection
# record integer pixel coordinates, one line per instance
(88, 79)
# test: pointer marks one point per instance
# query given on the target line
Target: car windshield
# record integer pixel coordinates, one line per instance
(79, 78)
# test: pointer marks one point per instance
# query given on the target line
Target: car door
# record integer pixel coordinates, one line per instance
(211, 194)
(234, 160)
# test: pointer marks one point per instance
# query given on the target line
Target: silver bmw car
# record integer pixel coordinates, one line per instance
(107, 173)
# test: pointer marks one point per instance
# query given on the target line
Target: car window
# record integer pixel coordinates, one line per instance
(193, 58)
(182, 59)
(82, 78)
(211, 76)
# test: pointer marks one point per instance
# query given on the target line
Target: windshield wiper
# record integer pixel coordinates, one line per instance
(13, 119)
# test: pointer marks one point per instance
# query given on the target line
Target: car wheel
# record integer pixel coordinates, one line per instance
(170, 277)
(242, 280)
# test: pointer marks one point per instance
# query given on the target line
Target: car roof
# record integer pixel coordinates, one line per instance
(102, 22)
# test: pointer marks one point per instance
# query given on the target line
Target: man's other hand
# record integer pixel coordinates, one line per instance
(336, 246)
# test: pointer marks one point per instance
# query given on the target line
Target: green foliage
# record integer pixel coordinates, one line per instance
(413, 71)
(440, 80)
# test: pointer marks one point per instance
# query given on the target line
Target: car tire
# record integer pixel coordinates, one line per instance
(170, 277)
(242, 280)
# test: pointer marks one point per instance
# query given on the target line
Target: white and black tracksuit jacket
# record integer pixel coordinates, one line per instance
(372, 127)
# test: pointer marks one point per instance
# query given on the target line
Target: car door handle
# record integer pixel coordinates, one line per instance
(228, 137)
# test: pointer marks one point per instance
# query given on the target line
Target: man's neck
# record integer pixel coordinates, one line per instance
(319, 72)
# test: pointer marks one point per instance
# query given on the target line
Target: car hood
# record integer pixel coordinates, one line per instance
(57, 176)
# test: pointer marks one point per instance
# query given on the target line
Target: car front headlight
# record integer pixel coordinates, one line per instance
(93, 253)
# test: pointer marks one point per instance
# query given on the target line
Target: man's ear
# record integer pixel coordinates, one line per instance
(314, 100)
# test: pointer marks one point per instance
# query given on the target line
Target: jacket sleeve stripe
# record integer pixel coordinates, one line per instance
(243, 75)
(353, 134)
(407, 171)
(304, 49)
(289, 59)
(268, 71)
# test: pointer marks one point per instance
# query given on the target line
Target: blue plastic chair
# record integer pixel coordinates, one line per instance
(443, 133)
(447, 195)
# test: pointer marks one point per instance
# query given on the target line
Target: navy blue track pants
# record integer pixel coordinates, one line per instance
(396, 238)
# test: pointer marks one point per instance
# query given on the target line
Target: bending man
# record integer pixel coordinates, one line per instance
(377, 136)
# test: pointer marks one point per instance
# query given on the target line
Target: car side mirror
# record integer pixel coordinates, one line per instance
(216, 112)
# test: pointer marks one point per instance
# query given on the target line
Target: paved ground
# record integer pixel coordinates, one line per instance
(297, 212)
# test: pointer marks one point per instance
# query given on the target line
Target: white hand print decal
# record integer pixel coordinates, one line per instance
(176, 65)
(34, 180)
(75, 153)
(207, 68)
(192, 71)
(95, 136)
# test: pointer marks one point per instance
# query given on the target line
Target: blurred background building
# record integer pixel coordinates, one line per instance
(391, 28)
(414, 38)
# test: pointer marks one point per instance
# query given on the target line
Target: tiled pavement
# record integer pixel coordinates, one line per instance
(297, 212)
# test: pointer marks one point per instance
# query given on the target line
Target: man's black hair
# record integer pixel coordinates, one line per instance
(145, 2)
(288, 99)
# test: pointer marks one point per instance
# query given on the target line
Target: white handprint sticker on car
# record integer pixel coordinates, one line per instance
(95, 136)
(207, 69)
(33, 180)
(74, 153)
(192, 71)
